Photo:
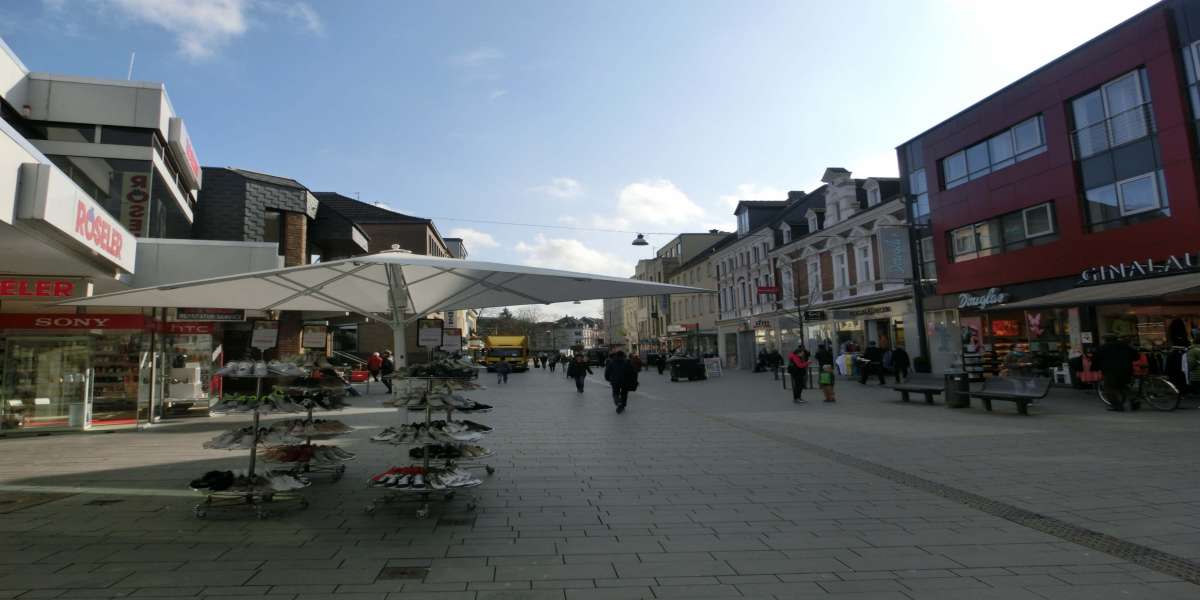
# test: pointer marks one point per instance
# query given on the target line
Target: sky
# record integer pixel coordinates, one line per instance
(652, 116)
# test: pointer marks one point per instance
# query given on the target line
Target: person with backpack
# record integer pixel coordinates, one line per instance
(387, 367)
(621, 375)
(798, 361)
(374, 363)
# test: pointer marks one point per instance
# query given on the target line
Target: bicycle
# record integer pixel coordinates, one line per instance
(1155, 390)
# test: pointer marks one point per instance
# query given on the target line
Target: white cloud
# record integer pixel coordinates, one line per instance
(497, 94)
(657, 202)
(476, 58)
(560, 187)
(752, 191)
(202, 27)
(880, 164)
(571, 255)
(474, 239)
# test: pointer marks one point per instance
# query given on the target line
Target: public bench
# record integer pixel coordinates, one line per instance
(1021, 390)
(928, 390)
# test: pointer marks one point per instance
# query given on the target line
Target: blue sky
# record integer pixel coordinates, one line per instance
(639, 116)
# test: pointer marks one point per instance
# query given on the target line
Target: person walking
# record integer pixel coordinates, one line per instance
(502, 371)
(636, 362)
(374, 362)
(872, 361)
(387, 367)
(900, 363)
(825, 377)
(620, 374)
(553, 362)
(798, 361)
(579, 370)
(1114, 359)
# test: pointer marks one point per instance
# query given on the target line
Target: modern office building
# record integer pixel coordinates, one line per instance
(1064, 206)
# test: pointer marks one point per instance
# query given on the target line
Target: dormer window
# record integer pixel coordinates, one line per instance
(873, 196)
(787, 233)
(743, 222)
(813, 223)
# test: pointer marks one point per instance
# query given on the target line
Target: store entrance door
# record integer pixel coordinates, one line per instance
(46, 383)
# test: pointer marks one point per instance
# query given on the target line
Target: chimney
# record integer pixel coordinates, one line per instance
(795, 196)
(714, 231)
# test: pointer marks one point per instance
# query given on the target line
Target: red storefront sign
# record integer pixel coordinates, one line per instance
(98, 230)
(59, 322)
(187, 328)
(16, 288)
(764, 289)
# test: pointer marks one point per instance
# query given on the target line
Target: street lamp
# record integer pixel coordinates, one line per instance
(640, 240)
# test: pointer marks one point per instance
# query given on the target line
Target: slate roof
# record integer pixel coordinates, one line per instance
(361, 212)
(271, 179)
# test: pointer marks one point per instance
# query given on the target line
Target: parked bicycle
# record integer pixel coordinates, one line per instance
(1155, 390)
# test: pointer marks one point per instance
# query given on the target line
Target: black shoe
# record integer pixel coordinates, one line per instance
(620, 408)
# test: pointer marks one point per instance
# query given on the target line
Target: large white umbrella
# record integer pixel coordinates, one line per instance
(398, 286)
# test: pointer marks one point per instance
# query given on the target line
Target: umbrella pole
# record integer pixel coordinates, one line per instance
(396, 293)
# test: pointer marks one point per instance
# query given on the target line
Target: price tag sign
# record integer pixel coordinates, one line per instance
(265, 336)
(313, 336)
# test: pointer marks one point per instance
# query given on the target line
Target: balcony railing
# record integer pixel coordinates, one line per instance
(1121, 128)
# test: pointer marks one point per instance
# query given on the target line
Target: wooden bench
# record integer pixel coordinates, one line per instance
(1021, 390)
(928, 390)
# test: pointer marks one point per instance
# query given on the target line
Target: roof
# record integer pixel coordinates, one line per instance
(265, 178)
(760, 204)
(361, 212)
(706, 253)
(452, 239)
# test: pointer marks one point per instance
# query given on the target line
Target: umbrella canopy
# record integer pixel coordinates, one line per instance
(397, 284)
(380, 283)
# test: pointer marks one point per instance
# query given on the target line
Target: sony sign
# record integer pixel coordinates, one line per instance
(981, 301)
(1136, 269)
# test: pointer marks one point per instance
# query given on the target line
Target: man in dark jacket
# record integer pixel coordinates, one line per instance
(579, 370)
(900, 363)
(1115, 361)
(386, 368)
(872, 361)
(619, 374)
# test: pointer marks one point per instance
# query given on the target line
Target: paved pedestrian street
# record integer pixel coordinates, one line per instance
(715, 489)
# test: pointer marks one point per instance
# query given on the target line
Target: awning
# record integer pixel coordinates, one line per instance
(1112, 293)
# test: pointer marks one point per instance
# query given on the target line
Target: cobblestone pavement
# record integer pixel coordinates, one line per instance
(716, 489)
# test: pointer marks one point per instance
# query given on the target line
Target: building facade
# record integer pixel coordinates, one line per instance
(646, 321)
(1061, 208)
(693, 324)
(614, 323)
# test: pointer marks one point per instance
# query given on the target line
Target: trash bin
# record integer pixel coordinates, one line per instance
(75, 415)
(686, 368)
(957, 389)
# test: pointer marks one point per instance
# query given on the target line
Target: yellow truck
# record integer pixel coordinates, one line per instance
(513, 348)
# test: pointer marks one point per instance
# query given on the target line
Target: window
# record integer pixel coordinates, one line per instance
(1115, 114)
(812, 223)
(918, 188)
(755, 250)
(1022, 141)
(928, 261)
(814, 279)
(1126, 202)
(865, 265)
(1139, 194)
(787, 233)
(273, 228)
(125, 136)
(787, 282)
(1038, 221)
(1013, 231)
(873, 196)
(841, 271)
(743, 221)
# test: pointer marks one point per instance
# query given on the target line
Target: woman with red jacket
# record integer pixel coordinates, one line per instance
(798, 362)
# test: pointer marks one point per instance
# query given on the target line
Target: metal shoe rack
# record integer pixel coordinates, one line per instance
(307, 467)
(254, 497)
(448, 385)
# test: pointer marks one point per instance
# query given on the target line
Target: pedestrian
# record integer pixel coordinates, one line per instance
(502, 371)
(374, 362)
(621, 375)
(579, 370)
(1193, 364)
(872, 361)
(662, 364)
(1115, 360)
(825, 375)
(900, 363)
(387, 367)
(553, 362)
(798, 361)
(635, 362)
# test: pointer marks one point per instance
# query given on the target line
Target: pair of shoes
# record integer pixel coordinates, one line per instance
(800, 401)
(620, 408)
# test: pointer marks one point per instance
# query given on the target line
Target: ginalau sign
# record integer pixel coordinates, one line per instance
(1138, 269)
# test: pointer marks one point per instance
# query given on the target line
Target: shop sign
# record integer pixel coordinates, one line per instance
(1085, 337)
(49, 196)
(984, 300)
(313, 336)
(1136, 269)
(762, 324)
(676, 329)
(181, 146)
(188, 328)
(894, 254)
(23, 321)
(452, 339)
(768, 290)
(265, 335)
(209, 314)
(35, 288)
(869, 311)
(690, 326)
(135, 202)
(814, 315)
(429, 333)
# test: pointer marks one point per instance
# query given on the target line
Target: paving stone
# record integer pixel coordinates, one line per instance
(542, 573)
